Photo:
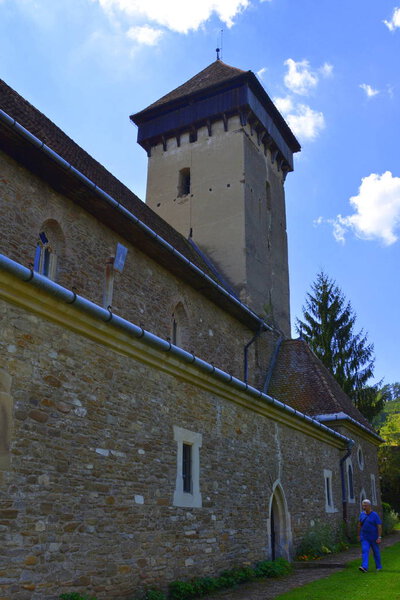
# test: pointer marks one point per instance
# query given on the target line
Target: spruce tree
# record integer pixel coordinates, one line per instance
(328, 326)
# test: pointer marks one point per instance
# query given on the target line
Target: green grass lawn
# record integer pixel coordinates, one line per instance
(351, 584)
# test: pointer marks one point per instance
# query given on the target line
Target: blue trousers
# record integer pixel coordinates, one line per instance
(366, 545)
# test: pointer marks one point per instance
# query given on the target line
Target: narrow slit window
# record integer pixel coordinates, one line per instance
(187, 468)
(329, 504)
(184, 182)
(350, 480)
(175, 331)
(328, 491)
(373, 490)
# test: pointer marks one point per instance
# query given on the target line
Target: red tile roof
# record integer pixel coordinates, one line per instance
(301, 380)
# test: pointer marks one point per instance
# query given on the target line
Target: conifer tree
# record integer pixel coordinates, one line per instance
(328, 326)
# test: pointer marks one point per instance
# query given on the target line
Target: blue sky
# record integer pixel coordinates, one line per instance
(332, 68)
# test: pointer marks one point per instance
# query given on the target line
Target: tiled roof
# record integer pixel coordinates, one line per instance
(217, 72)
(302, 381)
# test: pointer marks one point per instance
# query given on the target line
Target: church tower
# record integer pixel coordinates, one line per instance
(219, 152)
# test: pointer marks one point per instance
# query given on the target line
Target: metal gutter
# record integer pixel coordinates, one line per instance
(106, 316)
(11, 122)
(341, 416)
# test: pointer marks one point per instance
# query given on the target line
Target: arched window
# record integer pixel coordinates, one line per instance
(350, 481)
(360, 458)
(45, 258)
(179, 326)
(49, 247)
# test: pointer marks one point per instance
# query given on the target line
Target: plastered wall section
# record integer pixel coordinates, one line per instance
(145, 293)
(227, 210)
(86, 502)
(214, 209)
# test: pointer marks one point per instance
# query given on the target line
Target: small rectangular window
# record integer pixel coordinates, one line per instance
(187, 483)
(184, 182)
(329, 504)
(187, 468)
(328, 491)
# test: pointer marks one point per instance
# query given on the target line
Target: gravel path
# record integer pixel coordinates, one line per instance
(267, 589)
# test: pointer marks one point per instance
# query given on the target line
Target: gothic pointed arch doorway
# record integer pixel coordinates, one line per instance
(279, 530)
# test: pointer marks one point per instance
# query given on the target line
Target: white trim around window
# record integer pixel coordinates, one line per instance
(329, 503)
(187, 468)
(350, 481)
(374, 498)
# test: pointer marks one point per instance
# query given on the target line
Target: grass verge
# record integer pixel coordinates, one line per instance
(351, 584)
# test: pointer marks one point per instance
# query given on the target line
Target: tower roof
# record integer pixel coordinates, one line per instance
(216, 73)
(217, 92)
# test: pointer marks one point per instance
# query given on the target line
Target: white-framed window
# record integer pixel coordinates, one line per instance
(374, 498)
(187, 486)
(360, 457)
(329, 504)
(363, 497)
(350, 481)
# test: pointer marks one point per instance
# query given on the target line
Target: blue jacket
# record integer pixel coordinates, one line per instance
(369, 526)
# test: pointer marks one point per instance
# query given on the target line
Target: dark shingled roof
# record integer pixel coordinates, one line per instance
(216, 73)
(301, 380)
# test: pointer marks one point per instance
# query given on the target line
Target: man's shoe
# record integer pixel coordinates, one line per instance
(362, 570)
(379, 569)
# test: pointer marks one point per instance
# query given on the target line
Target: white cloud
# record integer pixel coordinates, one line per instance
(394, 22)
(369, 90)
(305, 122)
(377, 211)
(176, 15)
(299, 78)
(326, 70)
(284, 105)
(260, 74)
(144, 35)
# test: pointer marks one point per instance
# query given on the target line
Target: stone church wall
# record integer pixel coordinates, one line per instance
(87, 499)
(145, 293)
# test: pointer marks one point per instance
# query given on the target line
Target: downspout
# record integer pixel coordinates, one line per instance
(245, 351)
(350, 445)
(272, 364)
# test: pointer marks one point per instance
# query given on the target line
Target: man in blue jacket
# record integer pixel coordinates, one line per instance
(369, 531)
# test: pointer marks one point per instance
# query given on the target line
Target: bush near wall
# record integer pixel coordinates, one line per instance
(390, 518)
(196, 588)
(321, 539)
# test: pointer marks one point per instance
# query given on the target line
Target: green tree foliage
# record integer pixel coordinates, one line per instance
(388, 425)
(328, 326)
